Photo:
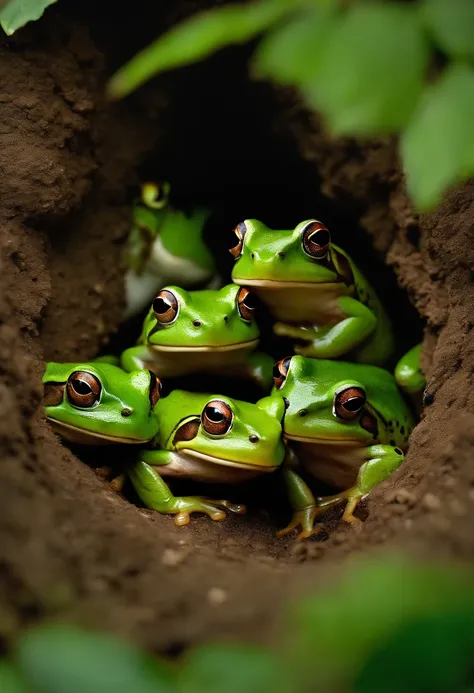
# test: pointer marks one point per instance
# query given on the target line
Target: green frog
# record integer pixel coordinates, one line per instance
(347, 424)
(204, 437)
(205, 331)
(164, 245)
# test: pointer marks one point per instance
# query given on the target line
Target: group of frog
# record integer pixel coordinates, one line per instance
(330, 410)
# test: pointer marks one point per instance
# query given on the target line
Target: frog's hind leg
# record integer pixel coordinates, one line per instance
(383, 461)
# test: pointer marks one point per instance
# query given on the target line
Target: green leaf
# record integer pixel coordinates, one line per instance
(17, 13)
(337, 630)
(61, 658)
(234, 669)
(293, 53)
(197, 38)
(11, 681)
(371, 74)
(451, 23)
(437, 147)
(432, 655)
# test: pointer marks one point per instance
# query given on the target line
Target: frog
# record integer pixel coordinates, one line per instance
(314, 290)
(204, 331)
(347, 424)
(208, 438)
(204, 437)
(165, 245)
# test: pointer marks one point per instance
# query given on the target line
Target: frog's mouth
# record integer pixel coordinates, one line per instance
(321, 440)
(222, 462)
(80, 435)
(237, 346)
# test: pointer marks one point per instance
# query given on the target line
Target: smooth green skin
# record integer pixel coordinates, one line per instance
(123, 413)
(310, 387)
(408, 372)
(192, 348)
(179, 408)
(353, 326)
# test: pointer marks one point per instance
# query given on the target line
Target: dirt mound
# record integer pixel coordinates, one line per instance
(71, 548)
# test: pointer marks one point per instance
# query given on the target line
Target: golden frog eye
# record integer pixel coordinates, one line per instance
(239, 231)
(349, 403)
(280, 371)
(247, 304)
(216, 417)
(83, 389)
(155, 195)
(154, 391)
(165, 307)
(316, 240)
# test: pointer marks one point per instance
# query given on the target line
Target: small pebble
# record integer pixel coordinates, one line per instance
(172, 558)
(402, 496)
(431, 502)
(216, 596)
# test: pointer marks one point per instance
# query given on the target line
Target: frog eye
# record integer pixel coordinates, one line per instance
(83, 389)
(154, 391)
(239, 231)
(316, 240)
(280, 371)
(165, 307)
(246, 304)
(155, 195)
(349, 403)
(216, 418)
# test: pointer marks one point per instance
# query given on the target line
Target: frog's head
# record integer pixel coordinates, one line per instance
(323, 404)
(182, 320)
(149, 214)
(232, 432)
(100, 403)
(265, 256)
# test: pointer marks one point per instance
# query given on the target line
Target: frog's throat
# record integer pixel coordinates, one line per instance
(278, 283)
(75, 434)
(238, 346)
(323, 440)
(226, 463)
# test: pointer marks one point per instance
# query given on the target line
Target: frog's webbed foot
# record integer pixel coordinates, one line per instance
(303, 518)
(353, 499)
(185, 505)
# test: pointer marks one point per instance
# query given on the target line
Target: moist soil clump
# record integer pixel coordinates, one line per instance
(71, 165)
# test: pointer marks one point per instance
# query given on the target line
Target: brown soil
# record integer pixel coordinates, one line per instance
(71, 548)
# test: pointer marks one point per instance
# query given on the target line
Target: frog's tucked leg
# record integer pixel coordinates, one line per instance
(382, 461)
(136, 358)
(408, 372)
(260, 367)
(107, 358)
(333, 342)
(155, 493)
(116, 484)
(303, 503)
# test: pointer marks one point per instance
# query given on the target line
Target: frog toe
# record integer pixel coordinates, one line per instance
(305, 519)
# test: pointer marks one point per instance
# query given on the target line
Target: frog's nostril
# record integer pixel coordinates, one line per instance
(253, 256)
(226, 318)
(197, 323)
(282, 255)
(126, 411)
(302, 412)
(253, 438)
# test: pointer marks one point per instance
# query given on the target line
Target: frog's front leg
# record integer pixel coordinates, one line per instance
(136, 358)
(260, 368)
(408, 372)
(301, 500)
(155, 493)
(382, 461)
(333, 342)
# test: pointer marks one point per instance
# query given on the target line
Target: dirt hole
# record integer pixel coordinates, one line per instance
(71, 547)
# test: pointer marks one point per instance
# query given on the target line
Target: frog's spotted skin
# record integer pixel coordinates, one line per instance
(206, 331)
(165, 245)
(314, 290)
(347, 424)
(209, 438)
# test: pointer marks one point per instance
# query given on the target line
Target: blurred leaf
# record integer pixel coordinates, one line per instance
(432, 655)
(293, 53)
(336, 631)
(62, 659)
(11, 680)
(234, 669)
(437, 147)
(452, 25)
(371, 74)
(17, 13)
(197, 38)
